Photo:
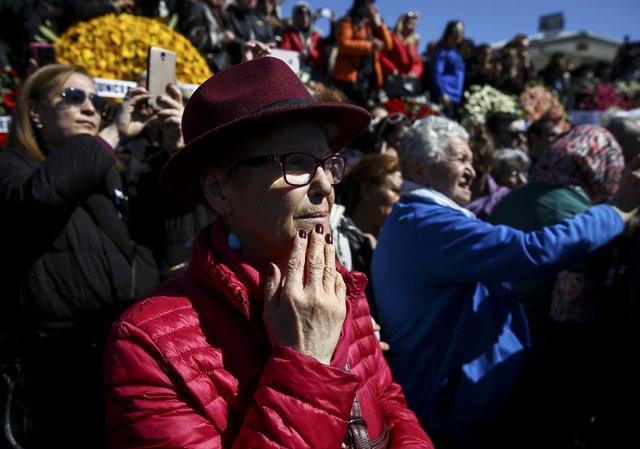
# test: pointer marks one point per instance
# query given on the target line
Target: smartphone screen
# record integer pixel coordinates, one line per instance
(161, 70)
(44, 53)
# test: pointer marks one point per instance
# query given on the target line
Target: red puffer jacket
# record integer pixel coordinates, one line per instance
(192, 367)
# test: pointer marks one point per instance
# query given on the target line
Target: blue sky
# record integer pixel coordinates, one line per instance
(497, 20)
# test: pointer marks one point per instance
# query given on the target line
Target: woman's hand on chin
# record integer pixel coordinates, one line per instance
(306, 313)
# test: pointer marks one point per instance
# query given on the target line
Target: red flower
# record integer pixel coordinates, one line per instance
(409, 107)
(10, 82)
(9, 100)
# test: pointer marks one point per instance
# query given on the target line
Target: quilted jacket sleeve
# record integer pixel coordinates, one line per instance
(143, 406)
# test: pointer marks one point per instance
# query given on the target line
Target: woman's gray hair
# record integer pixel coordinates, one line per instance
(428, 139)
(511, 155)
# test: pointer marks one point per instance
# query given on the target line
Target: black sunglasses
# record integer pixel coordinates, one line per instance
(396, 118)
(76, 97)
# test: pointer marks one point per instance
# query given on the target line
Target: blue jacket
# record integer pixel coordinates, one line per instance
(447, 74)
(457, 333)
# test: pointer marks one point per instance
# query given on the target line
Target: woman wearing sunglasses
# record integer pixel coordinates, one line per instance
(68, 262)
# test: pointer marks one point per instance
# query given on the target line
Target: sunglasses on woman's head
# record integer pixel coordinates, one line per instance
(396, 118)
(76, 97)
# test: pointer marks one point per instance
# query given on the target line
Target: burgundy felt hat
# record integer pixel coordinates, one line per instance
(234, 104)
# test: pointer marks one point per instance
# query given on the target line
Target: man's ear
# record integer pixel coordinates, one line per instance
(212, 188)
(417, 171)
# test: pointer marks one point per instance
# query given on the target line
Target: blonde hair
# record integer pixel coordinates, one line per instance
(22, 132)
(411, 39)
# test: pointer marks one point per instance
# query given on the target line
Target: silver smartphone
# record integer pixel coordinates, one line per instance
(161, 71)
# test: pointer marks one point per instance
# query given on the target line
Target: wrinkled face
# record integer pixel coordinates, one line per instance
(385, 195)
(61, 118)
(260, 207)
(453, 174)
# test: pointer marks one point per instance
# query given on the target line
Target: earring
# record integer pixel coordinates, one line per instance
(234, 242)
(38, 124)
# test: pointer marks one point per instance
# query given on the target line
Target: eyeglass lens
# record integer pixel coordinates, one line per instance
(77, 96)
(299, 168)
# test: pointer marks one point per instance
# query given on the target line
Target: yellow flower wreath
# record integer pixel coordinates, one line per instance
(115, 47)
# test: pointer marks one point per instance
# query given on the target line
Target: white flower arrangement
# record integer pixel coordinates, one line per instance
(480, 100)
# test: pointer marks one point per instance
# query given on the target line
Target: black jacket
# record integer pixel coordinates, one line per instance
(67, 253)
(246, 25)
(158, 221)
(68, 268)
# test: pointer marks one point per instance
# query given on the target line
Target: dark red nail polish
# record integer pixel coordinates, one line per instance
(302, 234)
(319, 228)
(271, 271)
(329, 239)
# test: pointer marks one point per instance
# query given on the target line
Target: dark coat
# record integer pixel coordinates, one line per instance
(68, 268)
(66, 235)
(158, 221)
(246, 25)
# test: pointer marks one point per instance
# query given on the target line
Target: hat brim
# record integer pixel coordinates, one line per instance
(181, 175)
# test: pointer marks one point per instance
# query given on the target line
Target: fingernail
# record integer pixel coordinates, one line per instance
(319, 228)
(302, 234)
(271, 271)
(329, 239)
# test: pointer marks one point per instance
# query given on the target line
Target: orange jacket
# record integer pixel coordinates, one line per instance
(353, 43)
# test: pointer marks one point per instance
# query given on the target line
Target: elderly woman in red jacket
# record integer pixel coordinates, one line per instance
(265, 341)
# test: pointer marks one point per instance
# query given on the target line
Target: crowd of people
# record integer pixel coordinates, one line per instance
(280, 260)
